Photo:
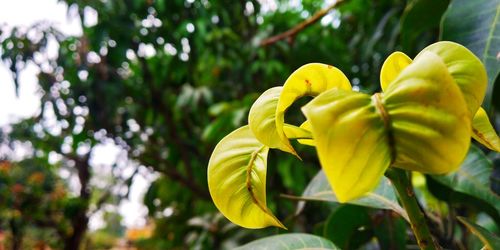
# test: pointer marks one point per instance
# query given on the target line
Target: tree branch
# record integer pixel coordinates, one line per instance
(308, 22)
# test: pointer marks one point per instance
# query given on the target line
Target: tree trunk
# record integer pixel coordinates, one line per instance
(17, 234)
(79, 222)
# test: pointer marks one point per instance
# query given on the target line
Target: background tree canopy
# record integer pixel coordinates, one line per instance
(165, 80)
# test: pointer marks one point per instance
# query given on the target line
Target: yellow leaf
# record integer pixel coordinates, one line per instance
(262, 119)
(351, 141)
(465, 68)
(237, 180)
(294, 132)
(483, 131)
(262, 122)
(391, 68)
(307, 126)
(309, 80)
(421, 123)
(430, 125)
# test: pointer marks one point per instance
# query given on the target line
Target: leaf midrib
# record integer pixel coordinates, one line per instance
(248, 182)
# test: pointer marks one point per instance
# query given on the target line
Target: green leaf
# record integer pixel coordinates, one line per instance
(490, 240)
(476, 25)
(420, 16)
(347, 227)
(383, 196)
(472, 178)
(237, 180)
(294, 241)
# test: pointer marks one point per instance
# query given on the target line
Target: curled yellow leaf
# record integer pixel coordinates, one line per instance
(262, 119)
(483, 131)
(465, 68)
(429, 118)
(309, 80)
(420, 123)
(237, 180)
(262, 122)
(351, 141)
(391, 68)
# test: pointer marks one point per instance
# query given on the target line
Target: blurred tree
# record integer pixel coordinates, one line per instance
(167, 79)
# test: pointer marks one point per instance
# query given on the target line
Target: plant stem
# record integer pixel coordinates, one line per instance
(404, 188)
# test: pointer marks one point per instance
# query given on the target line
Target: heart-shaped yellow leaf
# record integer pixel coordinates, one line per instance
(465, 68)
(309, 80)
(237, 180)
(430, 125)
(391, 68)
(351, 141)
(483, 131)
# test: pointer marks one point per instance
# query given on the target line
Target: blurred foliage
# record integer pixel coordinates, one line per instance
(31, 194)
(165, 80)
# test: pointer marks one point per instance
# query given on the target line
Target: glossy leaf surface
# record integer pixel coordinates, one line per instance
(294, 241)
(237, 180)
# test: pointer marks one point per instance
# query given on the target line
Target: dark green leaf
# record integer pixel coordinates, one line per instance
(472, 178)
(390, 231)
(420, 16)
(476, 25)
(347, 227)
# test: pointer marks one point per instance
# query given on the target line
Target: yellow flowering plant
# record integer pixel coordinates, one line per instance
(423, 121)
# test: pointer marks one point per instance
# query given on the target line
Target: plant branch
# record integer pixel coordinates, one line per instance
(308, 22)
(401, 182)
